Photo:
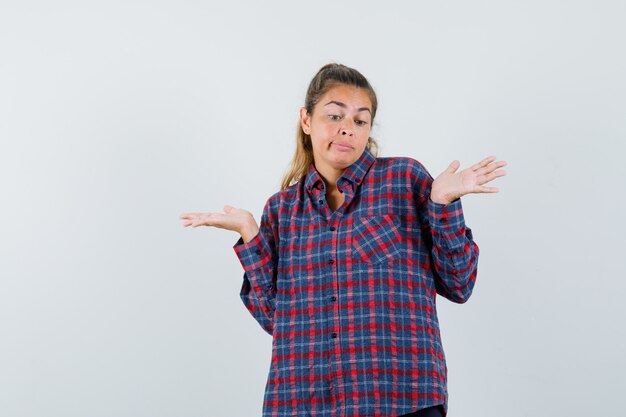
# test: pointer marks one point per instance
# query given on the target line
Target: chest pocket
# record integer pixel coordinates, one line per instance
(375, 239)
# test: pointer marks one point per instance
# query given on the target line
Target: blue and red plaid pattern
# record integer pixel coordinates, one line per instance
(349, 295)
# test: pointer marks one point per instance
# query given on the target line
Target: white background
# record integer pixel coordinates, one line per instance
(116, 117)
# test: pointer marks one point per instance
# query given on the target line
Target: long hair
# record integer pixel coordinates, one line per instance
(329, 76)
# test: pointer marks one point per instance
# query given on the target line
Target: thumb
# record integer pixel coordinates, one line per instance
(228, 209)
(453, 166)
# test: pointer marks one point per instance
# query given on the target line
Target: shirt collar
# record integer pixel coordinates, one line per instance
(353, 174)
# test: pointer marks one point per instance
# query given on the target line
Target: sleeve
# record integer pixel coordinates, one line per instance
(259, 260)
(454, 254)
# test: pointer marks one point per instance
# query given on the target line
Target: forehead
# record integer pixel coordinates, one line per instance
(352, 97)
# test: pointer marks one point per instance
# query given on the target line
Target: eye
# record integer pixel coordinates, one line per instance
(361, 122)
(332, 117)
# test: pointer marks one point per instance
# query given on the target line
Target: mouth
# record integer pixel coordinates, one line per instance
(342, 147)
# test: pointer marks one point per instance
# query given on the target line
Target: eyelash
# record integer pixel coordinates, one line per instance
(362, 122)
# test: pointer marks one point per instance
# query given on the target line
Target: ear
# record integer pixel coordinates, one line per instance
(305, 120)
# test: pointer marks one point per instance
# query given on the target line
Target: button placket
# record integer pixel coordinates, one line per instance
(331, 261)
(334, 233)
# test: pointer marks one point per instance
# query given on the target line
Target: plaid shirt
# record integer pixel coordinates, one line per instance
(349, 295)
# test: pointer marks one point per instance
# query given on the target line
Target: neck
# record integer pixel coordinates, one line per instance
(330, 176)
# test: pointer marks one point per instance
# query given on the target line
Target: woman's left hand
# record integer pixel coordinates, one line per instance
(450, 185)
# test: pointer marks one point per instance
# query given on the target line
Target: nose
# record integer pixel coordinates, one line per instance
(346, 128)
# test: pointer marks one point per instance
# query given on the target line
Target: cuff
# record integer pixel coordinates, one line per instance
(254, 254)
(447, 222)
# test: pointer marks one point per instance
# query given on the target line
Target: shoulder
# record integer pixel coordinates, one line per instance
(405, 165)
(405, 171)
(282, 198)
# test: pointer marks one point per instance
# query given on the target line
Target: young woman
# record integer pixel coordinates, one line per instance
(345, 265)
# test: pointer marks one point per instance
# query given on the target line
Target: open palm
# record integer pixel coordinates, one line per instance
(450, 185)
(232, 219)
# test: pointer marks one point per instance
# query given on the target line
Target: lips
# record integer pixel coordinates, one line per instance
(342, 146)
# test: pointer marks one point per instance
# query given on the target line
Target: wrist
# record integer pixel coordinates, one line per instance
(439, 200)
(444, 199)
(249, 231)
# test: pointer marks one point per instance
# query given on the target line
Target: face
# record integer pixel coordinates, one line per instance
(339, 127)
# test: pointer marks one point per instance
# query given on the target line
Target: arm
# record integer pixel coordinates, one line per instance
(454, 254)
(259, 258)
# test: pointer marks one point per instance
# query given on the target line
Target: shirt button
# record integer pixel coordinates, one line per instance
(331, 261)
(258, 251)
(332, 228)
(333, 335)
(444, 219)
(321, 201)
(333, 298)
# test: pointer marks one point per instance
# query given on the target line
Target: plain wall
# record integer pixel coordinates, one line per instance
(116, 117)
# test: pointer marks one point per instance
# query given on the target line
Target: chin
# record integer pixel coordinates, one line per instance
(345, 162)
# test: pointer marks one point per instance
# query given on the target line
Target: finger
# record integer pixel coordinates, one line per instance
(454, 165)
(483, 163)
(483, 189)
(189, 215)
(212, 219)
(492, 176)
(492, 166)
(188, 223)
(202, 221)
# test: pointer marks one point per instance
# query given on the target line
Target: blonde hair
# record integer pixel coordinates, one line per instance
(329, 76)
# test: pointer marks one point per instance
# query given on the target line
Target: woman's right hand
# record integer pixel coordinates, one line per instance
(235, 219)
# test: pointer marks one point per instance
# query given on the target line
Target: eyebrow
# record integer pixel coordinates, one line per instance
(340, 104)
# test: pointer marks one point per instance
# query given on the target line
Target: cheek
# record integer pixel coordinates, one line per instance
(329, 128)
(326, 131)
